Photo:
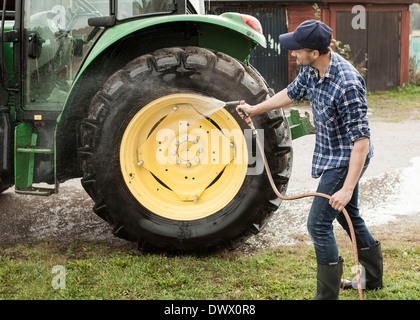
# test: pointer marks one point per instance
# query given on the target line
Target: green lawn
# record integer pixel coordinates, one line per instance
(402, 103)
(95, 270)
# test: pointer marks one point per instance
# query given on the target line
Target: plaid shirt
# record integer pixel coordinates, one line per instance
(338, 102)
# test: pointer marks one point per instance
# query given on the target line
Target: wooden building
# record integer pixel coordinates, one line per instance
(378, 34)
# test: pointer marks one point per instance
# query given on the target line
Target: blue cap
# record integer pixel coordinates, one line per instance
(311, 34)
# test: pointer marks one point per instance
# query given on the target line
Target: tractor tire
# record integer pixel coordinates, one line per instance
(169, 206)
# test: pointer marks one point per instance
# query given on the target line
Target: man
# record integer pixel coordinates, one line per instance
(342, 152)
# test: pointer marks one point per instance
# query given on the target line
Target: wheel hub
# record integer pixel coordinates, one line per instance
(183, 158)
(189, 146)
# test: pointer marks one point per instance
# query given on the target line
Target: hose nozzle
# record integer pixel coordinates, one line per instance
(234, 103)
(247, 117)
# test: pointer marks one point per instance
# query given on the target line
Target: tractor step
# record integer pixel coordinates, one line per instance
(34, 149)
(26, 150)
(36, 191)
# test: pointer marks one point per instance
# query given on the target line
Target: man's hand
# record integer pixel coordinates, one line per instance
(341, 198)
(279, 100)
(357, 159)
(247, 108)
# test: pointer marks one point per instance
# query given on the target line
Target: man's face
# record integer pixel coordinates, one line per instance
(304, 57)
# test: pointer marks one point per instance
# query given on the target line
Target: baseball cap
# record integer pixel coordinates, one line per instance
(311, 34)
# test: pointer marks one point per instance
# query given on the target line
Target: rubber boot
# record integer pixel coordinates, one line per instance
(328, 280)
(371, 260)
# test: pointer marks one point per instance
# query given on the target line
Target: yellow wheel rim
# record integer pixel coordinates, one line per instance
(181, 161)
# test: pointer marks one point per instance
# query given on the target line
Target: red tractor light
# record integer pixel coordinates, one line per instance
(252, 22)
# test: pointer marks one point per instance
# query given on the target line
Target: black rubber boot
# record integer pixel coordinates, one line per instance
(372, 272)
(328, 280)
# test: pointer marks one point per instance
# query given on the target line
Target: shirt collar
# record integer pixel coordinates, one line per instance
(332, 66)
(331, 69)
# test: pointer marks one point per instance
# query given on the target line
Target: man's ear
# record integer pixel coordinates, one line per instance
(315, 54)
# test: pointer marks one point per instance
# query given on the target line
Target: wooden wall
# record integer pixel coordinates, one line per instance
(297, 13)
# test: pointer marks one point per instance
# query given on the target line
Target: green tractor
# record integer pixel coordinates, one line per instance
(113, 92)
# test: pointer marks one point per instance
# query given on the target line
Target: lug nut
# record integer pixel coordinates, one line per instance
(197, 159)
(188, 164)
(178, 161)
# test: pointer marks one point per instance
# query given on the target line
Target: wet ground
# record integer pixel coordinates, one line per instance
(390, 189)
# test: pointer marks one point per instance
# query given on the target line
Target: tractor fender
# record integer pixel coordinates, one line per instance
(226, 21)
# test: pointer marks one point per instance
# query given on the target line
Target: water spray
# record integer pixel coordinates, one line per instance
(248, 120)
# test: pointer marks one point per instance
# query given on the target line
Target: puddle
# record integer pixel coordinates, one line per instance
(393, 195)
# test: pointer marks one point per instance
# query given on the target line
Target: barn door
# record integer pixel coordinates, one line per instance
(383, 50)
(379, 43)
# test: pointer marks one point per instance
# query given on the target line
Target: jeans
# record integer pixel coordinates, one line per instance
(322, 215)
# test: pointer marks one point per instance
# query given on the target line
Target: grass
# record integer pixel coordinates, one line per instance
(99, 271)
(399, 104)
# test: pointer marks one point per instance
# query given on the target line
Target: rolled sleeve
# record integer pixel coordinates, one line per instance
(296, 90)
(359, 132)
(353, 110)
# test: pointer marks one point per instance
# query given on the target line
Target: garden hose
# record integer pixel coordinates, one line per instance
(248, 120)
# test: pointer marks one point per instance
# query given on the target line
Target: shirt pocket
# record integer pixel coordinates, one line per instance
(328, 112)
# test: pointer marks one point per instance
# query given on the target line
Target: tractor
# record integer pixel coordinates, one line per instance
(114, 93)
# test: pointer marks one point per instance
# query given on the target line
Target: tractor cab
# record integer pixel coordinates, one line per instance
(55, 37)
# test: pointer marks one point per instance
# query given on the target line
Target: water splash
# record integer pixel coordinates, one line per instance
(205, 111)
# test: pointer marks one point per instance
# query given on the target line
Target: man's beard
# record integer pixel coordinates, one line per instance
(306, 62)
